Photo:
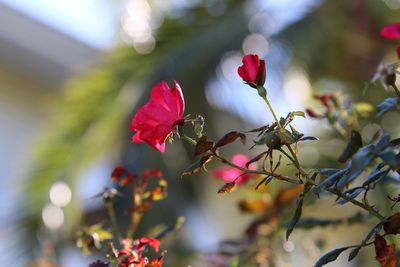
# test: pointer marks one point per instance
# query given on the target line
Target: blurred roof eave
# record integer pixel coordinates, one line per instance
(38, 51)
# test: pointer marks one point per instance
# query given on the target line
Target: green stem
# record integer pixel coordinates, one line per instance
(272, 111)
(287, 155)
(188, 139)
(227, 162)
(275, 175)
(368, 208)
(263, 93)
(113, 218)
(185, 137)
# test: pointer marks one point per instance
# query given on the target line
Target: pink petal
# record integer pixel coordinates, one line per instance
(180, 101)
(227, 174)
(391, 31)
(230, 174)
(154, 121)
(136, 138)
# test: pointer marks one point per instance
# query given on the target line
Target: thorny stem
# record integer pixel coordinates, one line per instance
(224, 160)
(275, 175)
(295, 161)
(113, 218)
(368, 208)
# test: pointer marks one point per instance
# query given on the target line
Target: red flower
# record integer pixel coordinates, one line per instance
(152, 242)
(155, 121)
(117, 173)
(132, 254)
(230, 174)
(391, 31)
(253, 71)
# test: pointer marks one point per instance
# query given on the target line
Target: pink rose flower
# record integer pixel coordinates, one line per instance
(252, 71)
(229, 174)
(391, 31)
(156, 120)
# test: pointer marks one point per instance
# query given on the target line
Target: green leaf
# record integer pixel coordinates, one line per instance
(387, 105)
(331, 180)
(271, 139)
(330, 256)
(376, 174)
(197, 166)
(285, 137)
(309, 223)
(298, 113)
(375, 230)
(352, 147)
(227, 188)
(230, 138)
(296, 216)
(203, 145)
(257, 158)
(309, 138)
(266, 180)
(295, 133)
(352, 194)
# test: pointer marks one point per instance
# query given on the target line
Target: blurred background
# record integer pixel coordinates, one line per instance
(72, 73)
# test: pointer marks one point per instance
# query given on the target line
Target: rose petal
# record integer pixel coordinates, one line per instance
(155, 121)
(391, 31)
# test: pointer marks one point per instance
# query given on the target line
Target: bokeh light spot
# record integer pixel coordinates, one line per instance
(60, 194)
(256, 44)
(53, 217)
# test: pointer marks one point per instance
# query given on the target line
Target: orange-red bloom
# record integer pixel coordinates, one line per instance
(155, 121)
(252, 71)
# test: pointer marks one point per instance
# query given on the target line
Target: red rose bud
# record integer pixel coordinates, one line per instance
(391, 31)
(252, 71)
(156, 120)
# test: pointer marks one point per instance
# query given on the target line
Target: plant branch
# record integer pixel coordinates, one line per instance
(396, 90)
(336, 192)
(113, 218)
(275, 175)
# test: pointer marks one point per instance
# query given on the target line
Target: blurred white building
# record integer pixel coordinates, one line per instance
(35, 60)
